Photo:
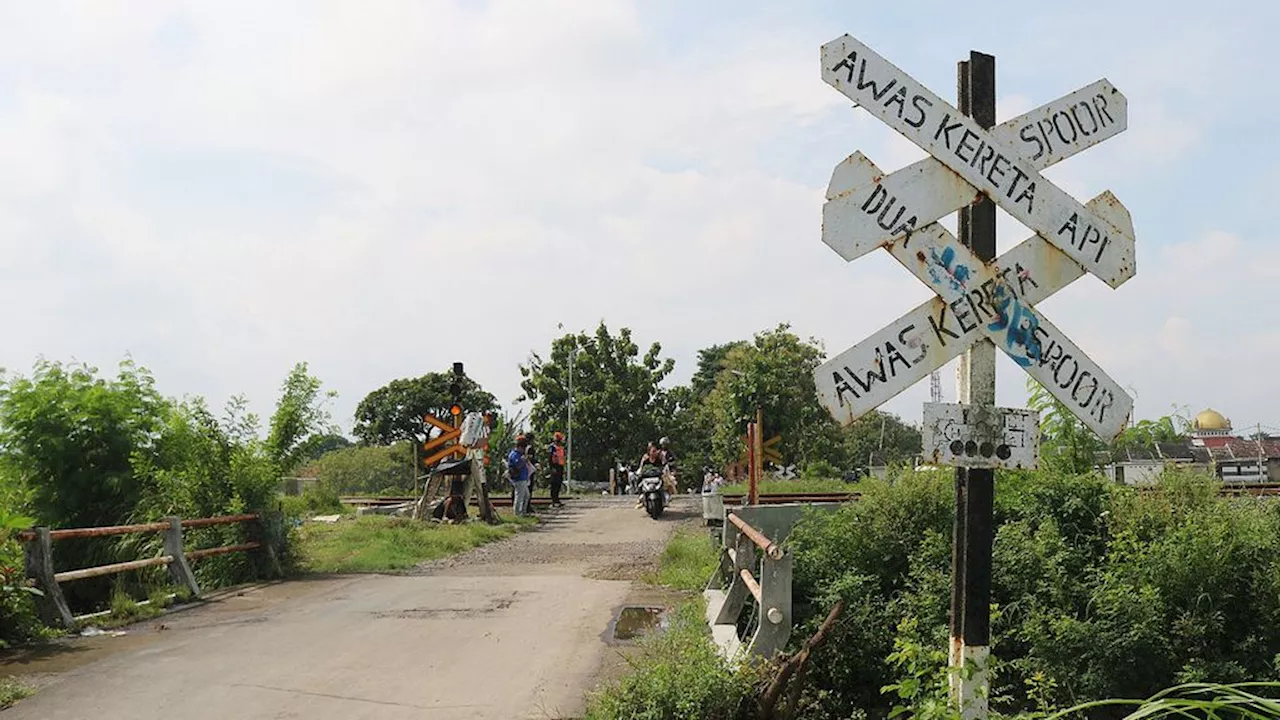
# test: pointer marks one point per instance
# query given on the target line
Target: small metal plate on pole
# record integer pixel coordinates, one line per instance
(976, 436)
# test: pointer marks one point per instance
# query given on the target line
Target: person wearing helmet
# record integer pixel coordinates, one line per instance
(555, 460)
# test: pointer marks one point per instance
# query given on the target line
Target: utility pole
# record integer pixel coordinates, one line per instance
(972, 532)
(568, 463)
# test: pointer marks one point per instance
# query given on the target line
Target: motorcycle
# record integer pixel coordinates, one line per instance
(628, 480)
(653, 488)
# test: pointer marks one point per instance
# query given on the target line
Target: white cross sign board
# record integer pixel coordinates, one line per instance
(874, 211)
(973, 300)
(981, 158)
(980, 437)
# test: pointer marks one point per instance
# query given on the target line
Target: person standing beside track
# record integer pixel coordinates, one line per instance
(555, 468)
(518, 474)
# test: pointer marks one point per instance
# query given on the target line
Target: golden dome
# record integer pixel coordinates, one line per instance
(1212, 420)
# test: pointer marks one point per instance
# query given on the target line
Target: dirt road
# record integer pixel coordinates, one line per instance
(516, 629)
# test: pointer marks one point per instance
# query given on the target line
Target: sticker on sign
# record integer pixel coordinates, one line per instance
(863, 377)
(980, 437)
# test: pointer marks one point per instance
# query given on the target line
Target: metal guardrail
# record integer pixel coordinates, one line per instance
(38, 546)
(754, 574)
(762, 582)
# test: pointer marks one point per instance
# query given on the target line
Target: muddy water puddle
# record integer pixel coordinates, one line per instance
(634, 621)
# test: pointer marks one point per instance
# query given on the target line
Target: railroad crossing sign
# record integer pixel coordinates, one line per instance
(447, 432)
(867, 209)
(769, 452)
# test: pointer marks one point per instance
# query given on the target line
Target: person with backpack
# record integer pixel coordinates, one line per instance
(555, 460)
(518, 474)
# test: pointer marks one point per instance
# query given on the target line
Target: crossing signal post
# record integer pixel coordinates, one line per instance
(455, 394)
(447, 444)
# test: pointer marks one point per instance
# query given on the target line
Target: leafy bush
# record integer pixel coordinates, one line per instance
(12, 690)
(678, 675)
(19, 620)
(371, 469)
(80, 450)
(1100, 590)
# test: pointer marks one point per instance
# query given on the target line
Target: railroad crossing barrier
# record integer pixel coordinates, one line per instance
(38, 547)
(754, 573)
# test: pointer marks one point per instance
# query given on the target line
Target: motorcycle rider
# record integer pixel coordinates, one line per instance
(653, 458)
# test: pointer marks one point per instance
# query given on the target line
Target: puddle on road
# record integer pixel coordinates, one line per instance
(636, 620)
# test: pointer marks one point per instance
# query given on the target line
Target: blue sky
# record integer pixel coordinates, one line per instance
(222, 189)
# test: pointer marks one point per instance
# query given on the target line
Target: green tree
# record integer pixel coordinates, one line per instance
(322, 444)
(1066, 443)
(774, 373)
(1146, 433)
(394, 411)
(364, 469)
(616, 397)
(690, 420)
(711, 362)
(884, 434)
(301, 420)
(70, 437)
(502, 438)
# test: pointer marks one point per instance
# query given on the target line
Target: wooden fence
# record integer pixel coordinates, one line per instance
(38, 544)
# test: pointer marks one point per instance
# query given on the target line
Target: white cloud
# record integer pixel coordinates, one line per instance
(222, 189)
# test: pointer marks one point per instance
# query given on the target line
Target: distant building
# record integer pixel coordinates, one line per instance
(1213, 447)
(1142, 466)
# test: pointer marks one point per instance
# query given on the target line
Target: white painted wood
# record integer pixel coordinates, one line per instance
(864, 211)
(980, 157)
(861, 378)
(980, 297)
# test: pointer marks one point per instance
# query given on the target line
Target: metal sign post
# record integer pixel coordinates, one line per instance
(981, 302)
(971, 613)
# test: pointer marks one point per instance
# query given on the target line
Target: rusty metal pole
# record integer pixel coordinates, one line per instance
(971, 602)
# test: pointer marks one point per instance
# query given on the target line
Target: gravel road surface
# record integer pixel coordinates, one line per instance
(515, 629)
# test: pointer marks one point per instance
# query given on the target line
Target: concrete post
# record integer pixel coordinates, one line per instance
(270, 532)
(39, 561)
(179, 570)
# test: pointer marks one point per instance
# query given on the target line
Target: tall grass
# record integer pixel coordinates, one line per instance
(1211, 701)
(687, 561)
(678, 675)
(376, 543)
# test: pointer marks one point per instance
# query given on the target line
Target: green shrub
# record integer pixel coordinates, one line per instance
(678, 675)
(12, 690)
(1100, 590)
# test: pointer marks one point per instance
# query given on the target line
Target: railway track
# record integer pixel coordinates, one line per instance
(388, 500)
(1235, 490)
